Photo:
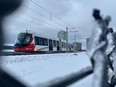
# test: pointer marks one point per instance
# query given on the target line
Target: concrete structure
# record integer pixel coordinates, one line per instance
(77, 46)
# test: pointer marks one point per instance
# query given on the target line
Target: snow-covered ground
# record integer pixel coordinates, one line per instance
(34, 69)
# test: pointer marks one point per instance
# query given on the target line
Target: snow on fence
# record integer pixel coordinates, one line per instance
(96, 52)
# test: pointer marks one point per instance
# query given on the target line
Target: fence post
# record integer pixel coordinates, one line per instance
(97, 50)
(100, 70)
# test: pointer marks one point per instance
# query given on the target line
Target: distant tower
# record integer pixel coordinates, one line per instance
(88, 40)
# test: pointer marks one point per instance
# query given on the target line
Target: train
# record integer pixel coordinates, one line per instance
(35, 42)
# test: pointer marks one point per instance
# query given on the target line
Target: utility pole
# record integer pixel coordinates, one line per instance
(67, 30)
(67, 39)
(75, 39)
(75, 45)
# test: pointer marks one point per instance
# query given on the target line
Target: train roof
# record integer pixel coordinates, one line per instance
(48, 37)
(45, 36)
(42, 35)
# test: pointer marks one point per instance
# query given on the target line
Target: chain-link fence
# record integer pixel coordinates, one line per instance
(97, 53)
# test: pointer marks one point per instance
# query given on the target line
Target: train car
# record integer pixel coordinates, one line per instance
(33, 42)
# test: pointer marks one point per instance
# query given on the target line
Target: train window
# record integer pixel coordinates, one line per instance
(54, 43)
(45, 41)
(41, 41)
(62, 44)
(65, 44)
(50, 42)
(27, 39)
(36, 41)
(20, 38)
(57, 43)
(23, 38)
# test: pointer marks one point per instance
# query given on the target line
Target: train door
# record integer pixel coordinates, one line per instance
(50, 45)
(58, 46)
(60, 43)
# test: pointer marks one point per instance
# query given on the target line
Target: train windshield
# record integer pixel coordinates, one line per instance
(23, 39)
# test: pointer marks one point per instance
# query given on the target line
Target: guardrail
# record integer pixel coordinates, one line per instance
(96, 52)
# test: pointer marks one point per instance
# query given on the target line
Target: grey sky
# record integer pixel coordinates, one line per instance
(77, 13)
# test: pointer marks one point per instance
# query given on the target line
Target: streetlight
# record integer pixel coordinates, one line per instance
(67, 30)
(75, 37)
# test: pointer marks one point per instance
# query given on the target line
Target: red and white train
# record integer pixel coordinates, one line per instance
(31, 42)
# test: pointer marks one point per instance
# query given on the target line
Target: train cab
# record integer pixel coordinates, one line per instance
(23, 42)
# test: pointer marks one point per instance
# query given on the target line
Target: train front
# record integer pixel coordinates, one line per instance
(24, 43)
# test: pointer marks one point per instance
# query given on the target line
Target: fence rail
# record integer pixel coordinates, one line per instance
(69, 79)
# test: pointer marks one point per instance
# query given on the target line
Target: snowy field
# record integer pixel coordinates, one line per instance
(35, 69)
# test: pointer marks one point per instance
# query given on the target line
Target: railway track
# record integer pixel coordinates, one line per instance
(14, 53)
(9, 52)
(27, 53)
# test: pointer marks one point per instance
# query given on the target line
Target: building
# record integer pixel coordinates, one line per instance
(77, 46)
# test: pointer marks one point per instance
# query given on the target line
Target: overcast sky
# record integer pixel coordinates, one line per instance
(72, 13)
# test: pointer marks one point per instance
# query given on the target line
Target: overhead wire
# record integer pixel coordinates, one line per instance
(39, 19)
(50, 12)
(34, 18)
(43, 15)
